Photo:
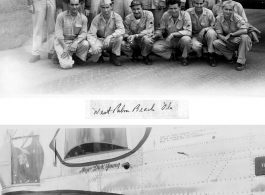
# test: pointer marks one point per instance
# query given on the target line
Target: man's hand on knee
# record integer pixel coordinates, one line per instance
(73, 47)
(94, 50)
(168, 39)
(107, 41)
(131, 38)
(65, 53)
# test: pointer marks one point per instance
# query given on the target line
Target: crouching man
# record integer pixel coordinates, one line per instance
(71, 31)
(232, 36)
(176, 24)
(202, 30)
(106, 34)
(139, 28)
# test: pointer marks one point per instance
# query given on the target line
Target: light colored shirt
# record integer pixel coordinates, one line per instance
(69, 27)
(151, 4)
(205, 20)
(182, 24)
(238, 8)
(144, 26)
(235, 23)
(101, 29)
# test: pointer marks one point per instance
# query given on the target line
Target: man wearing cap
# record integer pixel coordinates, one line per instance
(232, 36)
(157, 7)
(139, 27)
(176, 25)
(70, 44)
(106, 34)
(202, 30)
(42, 10)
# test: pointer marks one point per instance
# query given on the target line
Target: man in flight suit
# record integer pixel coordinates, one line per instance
(202, 30)
(106, 34)
(139, 28)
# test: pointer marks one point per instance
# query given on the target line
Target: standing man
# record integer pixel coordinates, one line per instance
(71, 31)
(202, 30)
(139, 28)
(122, 7)
(42, 10)
(106, 34)
(176, 24)
(157, 7)
(232, 33)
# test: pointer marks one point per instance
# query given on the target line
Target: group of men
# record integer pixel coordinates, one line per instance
(177, 34)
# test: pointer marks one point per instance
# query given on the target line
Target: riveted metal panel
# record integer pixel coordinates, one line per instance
(258, 184)
(126, 180)
(190, 173)
(73, 182)
(200, 150)
(236, 168)
(259, 141)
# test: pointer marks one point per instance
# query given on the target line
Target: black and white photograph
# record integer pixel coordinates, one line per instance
(132, 47)
(132, 160)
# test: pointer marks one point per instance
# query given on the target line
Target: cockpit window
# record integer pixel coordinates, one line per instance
(85, 141)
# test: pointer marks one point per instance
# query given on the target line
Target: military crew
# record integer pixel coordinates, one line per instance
(232, 33)
(176, 25)
(202, 29)
(139, 28)
(106, 34)
(71, 31)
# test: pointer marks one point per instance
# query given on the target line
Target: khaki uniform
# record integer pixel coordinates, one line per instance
(144, 26)
(152, 5)
(228, 49)
(69, 29)
(122, 7)
(238, 8)
(44, 10)
(99, 30)
(168, 26)
(204, 23)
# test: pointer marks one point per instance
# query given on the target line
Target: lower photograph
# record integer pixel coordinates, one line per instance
(132, 160)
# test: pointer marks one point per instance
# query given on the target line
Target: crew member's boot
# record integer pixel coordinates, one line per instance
(114, 59)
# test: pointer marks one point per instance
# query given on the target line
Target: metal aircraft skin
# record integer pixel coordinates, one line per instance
(182, 160)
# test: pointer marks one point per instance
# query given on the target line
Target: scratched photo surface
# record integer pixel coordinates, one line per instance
(163, 77)
(132, 160)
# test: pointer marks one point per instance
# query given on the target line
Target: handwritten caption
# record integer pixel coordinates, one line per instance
(161, 109)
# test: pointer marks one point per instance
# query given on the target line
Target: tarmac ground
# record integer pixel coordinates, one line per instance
(18, 77)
